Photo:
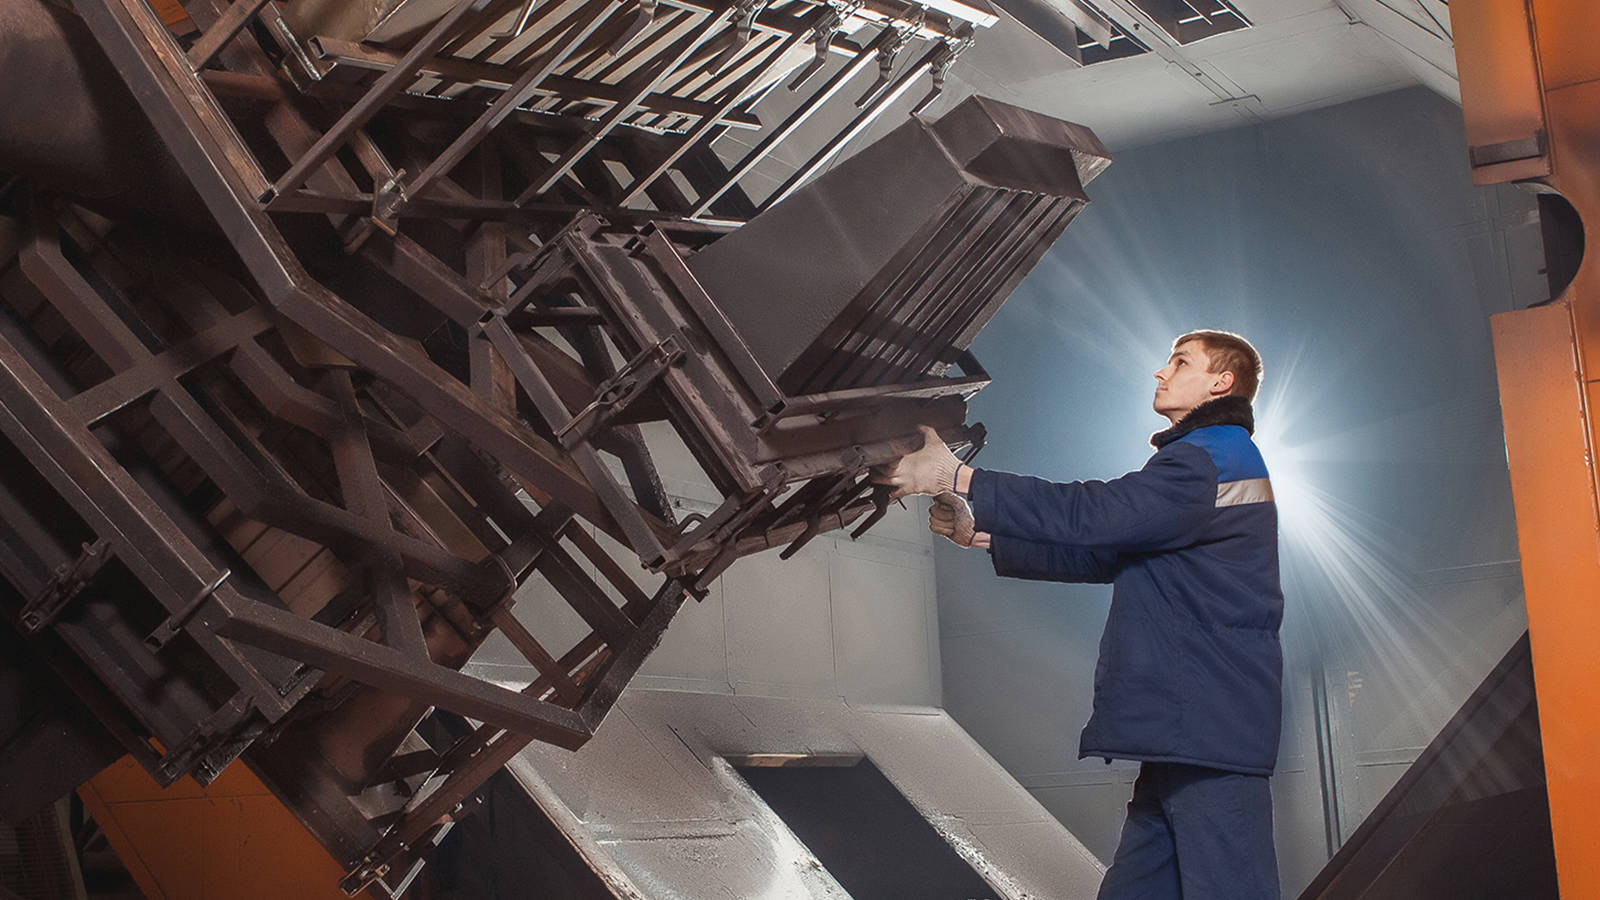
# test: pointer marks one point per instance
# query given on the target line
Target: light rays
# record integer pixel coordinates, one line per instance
(1343, 568)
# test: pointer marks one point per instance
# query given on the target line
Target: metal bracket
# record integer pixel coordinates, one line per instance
(216, 741)
(744, 22)
(948, 54)
(390, 853)
(889, 52)
(821, 40)
(977, 437)
(69, 578)
(619, 391)
(855, 462)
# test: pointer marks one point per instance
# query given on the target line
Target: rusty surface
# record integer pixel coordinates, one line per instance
(320, 444)
(1530, 84)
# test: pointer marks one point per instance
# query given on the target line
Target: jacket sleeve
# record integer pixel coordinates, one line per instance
(1161, 506)
(1017, 558)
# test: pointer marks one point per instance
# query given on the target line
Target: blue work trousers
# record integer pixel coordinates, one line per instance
(1194, 833)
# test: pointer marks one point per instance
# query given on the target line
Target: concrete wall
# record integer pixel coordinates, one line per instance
(1350, 245)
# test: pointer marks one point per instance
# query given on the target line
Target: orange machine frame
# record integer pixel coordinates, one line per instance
(231, 839)
(1530, 92)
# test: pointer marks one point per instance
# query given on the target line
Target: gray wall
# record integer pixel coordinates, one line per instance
(1350, 245)
(855, 620)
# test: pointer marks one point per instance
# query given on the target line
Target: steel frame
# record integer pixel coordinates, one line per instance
(291, 510)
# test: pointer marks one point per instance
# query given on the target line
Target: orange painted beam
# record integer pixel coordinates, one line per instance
(1530, 72)
(230, 840)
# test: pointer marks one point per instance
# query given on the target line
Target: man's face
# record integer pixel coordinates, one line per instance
(1183, 383)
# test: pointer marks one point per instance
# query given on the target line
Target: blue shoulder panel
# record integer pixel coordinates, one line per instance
(1232, 451)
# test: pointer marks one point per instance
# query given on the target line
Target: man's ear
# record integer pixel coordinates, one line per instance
(1223, 384)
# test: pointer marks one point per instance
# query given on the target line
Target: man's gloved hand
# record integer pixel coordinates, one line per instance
(927, 471)
(950, 516)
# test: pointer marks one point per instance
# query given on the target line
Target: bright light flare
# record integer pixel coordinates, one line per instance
(1341, 566)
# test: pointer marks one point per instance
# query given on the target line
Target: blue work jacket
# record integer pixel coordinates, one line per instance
(1190, 669)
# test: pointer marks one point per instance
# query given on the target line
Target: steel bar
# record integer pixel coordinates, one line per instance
(796, 119)
(280, 394)
(234, 18)
(492, 75)
(363, 491)
(625, 512)
(421, 271)
(387, 85)
(248, 479)
(154, 372)
(535, 654)
(355, 203)
(709, 127)
(657, 69)
(572, 32)
(633, 595)
(390, 669)
(135, 40)
(860, 124)
(624, 663)
(485, 753)
(579, 590)
(836, 401)
(103, 494)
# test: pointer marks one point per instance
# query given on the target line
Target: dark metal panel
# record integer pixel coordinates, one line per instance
(1469, 818)
(809, 274)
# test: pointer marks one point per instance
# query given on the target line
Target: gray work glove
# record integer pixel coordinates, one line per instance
(950, 516)
(927, 471)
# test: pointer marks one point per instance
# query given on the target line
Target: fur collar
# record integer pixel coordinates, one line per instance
(1221, 411)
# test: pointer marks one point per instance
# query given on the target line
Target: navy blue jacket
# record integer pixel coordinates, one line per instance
(1190, 668)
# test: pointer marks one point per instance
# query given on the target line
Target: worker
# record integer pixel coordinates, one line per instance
(1189, 679)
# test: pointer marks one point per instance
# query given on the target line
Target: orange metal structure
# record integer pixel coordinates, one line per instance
(1530, 86)
(230, 840)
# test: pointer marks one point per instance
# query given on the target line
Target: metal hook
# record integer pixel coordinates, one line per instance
(822, 41)
(941, 68)
(744, 22)
(889, 52)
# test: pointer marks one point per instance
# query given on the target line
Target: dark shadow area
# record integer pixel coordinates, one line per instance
(1470, 820)
(1562, 230)
(507, 850)
(868, 836)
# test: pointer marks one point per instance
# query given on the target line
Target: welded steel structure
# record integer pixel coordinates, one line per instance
(353, 333)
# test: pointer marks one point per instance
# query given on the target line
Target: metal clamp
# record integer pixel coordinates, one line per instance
(619, 391)
(68, 579)
(821, 40)
(889, 52)
(948, 54)
(744, 22)
(169, 628)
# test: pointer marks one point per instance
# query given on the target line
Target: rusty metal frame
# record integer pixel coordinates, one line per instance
(570, 184)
